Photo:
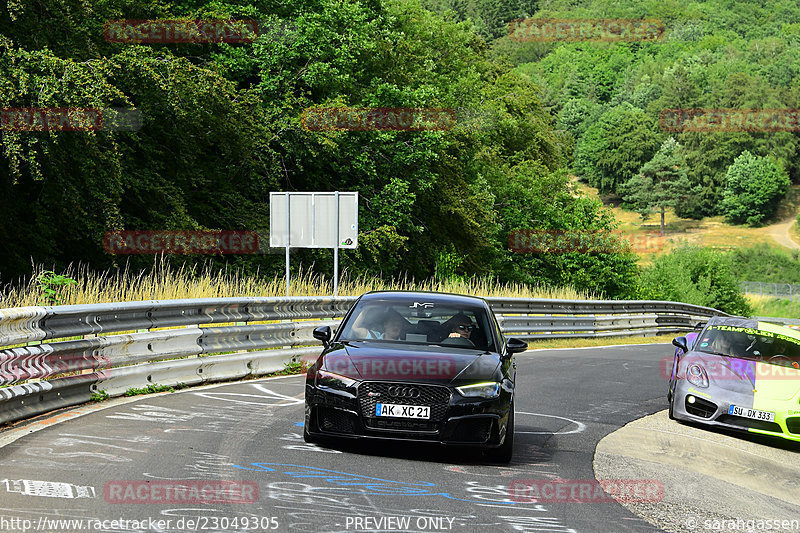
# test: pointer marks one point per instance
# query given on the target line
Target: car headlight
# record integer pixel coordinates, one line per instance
(334, 381)
(696, 375)
(489, 389)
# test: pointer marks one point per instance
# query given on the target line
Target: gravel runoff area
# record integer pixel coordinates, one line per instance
(713, 481)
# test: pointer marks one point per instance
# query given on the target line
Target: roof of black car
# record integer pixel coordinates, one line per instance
(439, 297)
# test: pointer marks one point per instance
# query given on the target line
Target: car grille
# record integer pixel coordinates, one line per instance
(749, 423)
(472, 430)
(701, 407)
(435, 396)
(336, 421)
(793, 425)
(401, 424)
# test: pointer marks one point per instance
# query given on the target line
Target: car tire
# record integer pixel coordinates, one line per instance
(504, 453)
(672, 380)
(671, 404)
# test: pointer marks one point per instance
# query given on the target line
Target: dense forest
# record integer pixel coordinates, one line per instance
(221, 128)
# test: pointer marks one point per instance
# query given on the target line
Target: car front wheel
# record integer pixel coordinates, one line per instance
(504, 453)
(671, 404)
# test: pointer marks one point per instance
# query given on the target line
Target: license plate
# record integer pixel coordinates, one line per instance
(755, 414)
(402, 411)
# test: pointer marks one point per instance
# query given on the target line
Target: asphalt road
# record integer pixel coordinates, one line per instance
(567, 400)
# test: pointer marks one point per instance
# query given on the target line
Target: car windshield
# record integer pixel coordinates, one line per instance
(752, 344)
(415, 321)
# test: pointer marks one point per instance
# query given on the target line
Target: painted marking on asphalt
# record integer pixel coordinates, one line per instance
(302, 445)
(48, 489)
(580, 426)
(268, 394)
(23, 427)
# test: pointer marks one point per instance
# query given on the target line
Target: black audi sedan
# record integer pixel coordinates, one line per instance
(419, 366)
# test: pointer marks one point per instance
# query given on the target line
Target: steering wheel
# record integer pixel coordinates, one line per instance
(780, 357)
(458, 341)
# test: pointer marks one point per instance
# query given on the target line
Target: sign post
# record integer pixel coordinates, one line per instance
(314, 220)
(288, 242)
(336, 246)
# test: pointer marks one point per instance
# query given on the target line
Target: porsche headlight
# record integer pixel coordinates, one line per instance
(490, 389)
(697, 376)
(333, 381)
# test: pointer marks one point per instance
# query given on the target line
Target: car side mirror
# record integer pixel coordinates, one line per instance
(680, 342)
(515, 346)
(323, 333)
(699, 325)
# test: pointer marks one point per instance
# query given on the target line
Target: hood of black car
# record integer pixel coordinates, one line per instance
(377, 361)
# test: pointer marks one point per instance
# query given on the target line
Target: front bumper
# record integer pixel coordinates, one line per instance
(711, 407)
(454, 420)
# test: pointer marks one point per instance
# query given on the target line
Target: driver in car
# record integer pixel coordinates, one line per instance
(723, 343)
(462, 326)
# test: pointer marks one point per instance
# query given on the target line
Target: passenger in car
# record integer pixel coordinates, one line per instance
(393, 326)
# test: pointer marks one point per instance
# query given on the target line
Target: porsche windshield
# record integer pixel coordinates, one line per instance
(749, 343)
(414, 322)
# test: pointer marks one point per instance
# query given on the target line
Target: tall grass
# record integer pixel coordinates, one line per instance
(163, 282)
(775, 307)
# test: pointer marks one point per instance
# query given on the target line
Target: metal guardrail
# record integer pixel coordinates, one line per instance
(531, 319)
(58, 356)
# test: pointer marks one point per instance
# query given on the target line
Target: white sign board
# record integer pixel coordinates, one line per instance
(311, 219)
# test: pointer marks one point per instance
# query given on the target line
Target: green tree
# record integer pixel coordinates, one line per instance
(662, 182)
(753, 186)
(615, 147)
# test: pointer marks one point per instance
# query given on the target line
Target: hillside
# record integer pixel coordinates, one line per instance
(711, 232)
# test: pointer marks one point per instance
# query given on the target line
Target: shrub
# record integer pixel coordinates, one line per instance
(765, 263)
(697, 276)
(49, 284)
(99, 396)
(753, 186)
